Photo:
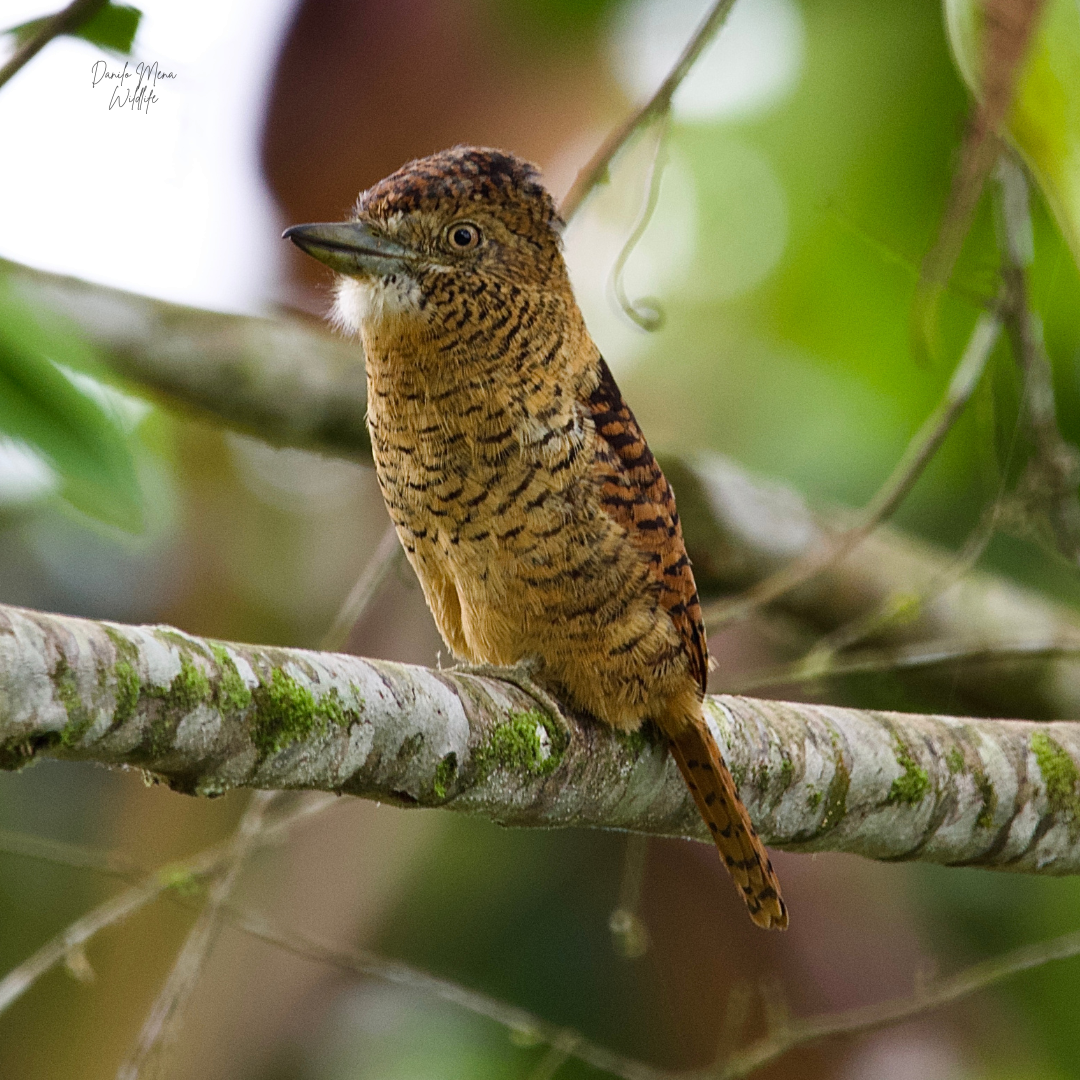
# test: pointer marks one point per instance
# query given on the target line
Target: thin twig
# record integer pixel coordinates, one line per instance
(596, 168)
(785, 1036)
(163, 1020)
(1048, 488)
(898, 608)
(790, 1034)
(356, 962)
(63, 854)
(557, 1055)
(114, 910)
(868, 1017)
(823, 660)
(917, 657)
(117, 908)
(360, 962)
(1007, 28)
(920, 450)
(1050, 481)
(376, 570)
(63, 22)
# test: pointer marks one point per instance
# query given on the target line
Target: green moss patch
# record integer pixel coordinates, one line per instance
(190, 687)
(181, 881)
(126, 671)
(989, 800)
(231, 694)
(836, 796)
(80, 719)
(910, 787)
(128, 688)
(286, 712)
(761, 778)
(223, 690)
(1062, 778)
(954, 760)
(637, 741)
(445, 774)
(515, 745)
(787, 773)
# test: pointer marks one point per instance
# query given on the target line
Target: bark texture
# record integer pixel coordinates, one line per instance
(207, 716)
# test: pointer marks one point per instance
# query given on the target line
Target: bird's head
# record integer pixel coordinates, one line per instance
(447, 235)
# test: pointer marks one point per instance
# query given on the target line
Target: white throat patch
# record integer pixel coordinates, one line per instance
(371, 300)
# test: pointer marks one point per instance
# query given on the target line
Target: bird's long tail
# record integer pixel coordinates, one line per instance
(702, 766)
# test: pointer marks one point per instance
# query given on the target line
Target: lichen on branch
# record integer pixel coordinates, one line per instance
(206, 716)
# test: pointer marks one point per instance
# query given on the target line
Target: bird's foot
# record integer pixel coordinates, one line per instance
(523, 676)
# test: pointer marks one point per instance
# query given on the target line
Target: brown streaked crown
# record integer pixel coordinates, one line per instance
(459, 178)
(518, 228)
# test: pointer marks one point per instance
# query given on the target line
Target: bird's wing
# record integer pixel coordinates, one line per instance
(637, 495)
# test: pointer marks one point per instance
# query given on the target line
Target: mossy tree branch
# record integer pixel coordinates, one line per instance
(284, 379)
(293, 384)
(206, 716)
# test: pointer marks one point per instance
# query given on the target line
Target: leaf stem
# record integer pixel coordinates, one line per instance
(63, 22)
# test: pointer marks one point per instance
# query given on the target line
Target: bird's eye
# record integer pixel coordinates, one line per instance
(463, 236)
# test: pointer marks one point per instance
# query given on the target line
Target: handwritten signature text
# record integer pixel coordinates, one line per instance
(137, 96)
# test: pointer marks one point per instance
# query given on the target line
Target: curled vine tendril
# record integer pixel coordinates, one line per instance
(647, 312)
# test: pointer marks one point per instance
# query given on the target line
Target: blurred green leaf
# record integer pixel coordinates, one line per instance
(1044, 121)
(113, 27)
(78, 432)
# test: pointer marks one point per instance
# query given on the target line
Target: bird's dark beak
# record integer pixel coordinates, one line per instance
(349, 247)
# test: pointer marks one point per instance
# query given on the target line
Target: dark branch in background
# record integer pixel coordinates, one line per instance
(596, 168)
(916, 457)
(285, 379)
(63, 22)
(813, 668)
(741, 529)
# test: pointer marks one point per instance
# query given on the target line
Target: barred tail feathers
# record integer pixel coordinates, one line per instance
(710, 782)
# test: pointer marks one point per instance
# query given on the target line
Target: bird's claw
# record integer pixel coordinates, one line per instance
(522, 675)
